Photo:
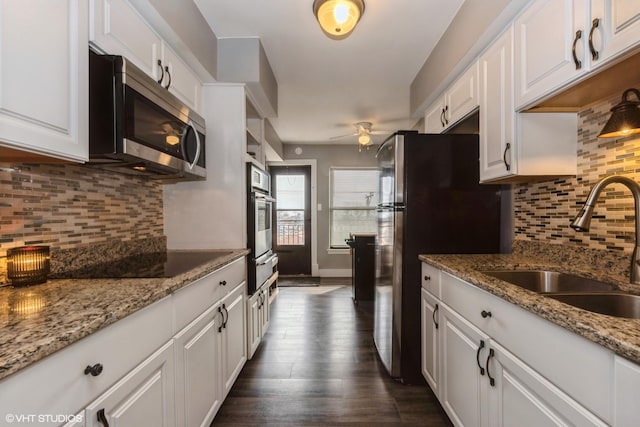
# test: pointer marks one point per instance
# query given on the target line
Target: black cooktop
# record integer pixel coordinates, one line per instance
(152, 265)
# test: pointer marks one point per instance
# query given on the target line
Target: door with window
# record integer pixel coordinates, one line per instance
(291, 187)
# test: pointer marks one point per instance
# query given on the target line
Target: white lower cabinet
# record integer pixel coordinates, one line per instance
(430, 320)
(259, 313)
(463, 392)
(144, 397)
(233, 336)
(198, 377)
(491, 363)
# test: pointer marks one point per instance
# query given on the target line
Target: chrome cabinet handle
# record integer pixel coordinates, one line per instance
(446, 109)
(166, 68)
(492, 380)
(427, 278)
(102, 418)
(94, 370)
(161, 71)
(442, 117)
(223, 283)
(573, 50)
(485, 314)
(507, 147)
(594, 53)
(480, 347)
(433, 316)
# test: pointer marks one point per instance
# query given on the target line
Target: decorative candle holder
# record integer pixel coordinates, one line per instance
(28, 265)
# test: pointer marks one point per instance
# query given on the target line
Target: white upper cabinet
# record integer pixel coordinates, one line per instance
(116, 28)
(496, 110)
(458, 101)
(43, 77)
(615, 25)
(560, 41)
(550, 41)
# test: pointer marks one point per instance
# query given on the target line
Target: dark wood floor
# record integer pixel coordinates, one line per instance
(317, 366)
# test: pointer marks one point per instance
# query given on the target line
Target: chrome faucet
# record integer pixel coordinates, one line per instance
(582, 221)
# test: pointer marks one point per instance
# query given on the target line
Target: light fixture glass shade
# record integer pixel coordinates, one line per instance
(364, 139)
(338, 18)
(625, 117)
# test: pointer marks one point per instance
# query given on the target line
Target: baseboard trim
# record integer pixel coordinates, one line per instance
(334, 272)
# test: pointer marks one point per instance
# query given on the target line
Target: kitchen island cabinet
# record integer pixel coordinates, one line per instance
(44, 82)
(533, 372)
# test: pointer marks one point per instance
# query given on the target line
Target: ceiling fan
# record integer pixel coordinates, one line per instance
(363, 132)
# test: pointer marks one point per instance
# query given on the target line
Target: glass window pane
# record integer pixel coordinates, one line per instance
(354, 188)
(290, 227)
(290, 191)
(354, 197)
(344, 222)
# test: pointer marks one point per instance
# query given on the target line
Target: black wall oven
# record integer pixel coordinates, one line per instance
(262, 261)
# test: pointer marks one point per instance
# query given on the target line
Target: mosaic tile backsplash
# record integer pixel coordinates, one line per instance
(70, 207)
(544, 210)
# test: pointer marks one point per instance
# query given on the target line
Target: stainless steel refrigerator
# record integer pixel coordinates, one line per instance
(430, 203)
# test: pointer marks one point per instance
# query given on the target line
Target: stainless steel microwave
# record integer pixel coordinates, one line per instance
(136, 126)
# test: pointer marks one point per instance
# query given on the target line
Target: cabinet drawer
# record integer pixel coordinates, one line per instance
(58, 384)
(431, 279)
(192, 300)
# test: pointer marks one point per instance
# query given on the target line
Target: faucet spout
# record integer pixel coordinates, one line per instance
(582, 221)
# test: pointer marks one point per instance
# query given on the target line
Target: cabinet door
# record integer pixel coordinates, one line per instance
(430, 319)
(464, 385)
(198, 379)
(497, 147)
(179, 79)
(627, 392)
(520, 396)
(550, 41)
(265, 311)
(434, 118)
(234, 336)
(617, 30)
(116, 28)
(254, 332)
(144, 397)
(462, 97)
(43, 77)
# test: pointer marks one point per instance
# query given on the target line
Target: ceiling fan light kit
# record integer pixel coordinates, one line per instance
(338, 18)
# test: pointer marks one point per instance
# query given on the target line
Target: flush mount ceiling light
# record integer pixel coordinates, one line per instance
(625, 117)
(338, 18)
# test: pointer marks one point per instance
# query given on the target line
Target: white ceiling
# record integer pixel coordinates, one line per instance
(324, 85)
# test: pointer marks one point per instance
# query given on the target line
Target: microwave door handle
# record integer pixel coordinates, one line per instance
(184, 134)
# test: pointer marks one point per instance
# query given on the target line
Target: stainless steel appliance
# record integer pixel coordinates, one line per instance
(430, 202)
(136, 126)
(262, 261)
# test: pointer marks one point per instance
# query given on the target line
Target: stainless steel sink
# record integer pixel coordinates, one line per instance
(612, 304)
(542, 281)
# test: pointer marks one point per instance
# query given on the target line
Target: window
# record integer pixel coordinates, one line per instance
(354, 197)
(290, 196)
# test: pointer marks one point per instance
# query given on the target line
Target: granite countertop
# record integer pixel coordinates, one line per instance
(39, 320)
(620, 335)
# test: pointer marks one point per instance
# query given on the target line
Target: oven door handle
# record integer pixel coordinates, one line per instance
(264, 197)
(268, 260)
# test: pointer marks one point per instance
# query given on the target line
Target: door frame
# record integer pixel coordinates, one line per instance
(314, 206)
